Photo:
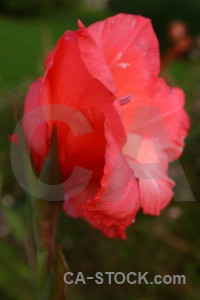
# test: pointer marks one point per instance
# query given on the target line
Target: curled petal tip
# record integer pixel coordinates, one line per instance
(80, 24)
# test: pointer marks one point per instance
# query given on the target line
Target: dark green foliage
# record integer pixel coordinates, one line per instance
(33, 7)
(21, 7)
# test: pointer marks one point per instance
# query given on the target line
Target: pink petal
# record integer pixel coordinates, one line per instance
(150, 165)
(131, 49)
(155, 194)
(158, 128)
(115, 205)
(93, 56)
(86, 150)
(170, 103)
(163, 117)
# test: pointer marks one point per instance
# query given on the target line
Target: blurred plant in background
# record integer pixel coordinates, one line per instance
(21, 7)
(34, 7)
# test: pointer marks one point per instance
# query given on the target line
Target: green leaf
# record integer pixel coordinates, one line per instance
(29, 179)
(29, 171)
(47, 213)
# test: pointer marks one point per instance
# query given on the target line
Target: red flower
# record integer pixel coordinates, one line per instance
(94, 70)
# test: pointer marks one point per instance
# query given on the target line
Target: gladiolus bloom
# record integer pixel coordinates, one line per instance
(109, 73)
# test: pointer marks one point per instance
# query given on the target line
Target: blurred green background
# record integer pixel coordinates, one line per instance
(169, 244)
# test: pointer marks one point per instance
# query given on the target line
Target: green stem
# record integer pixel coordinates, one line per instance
(46, 219)
(42, 272)
(42, 226)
